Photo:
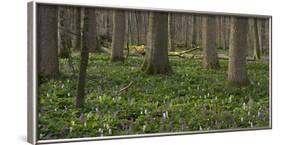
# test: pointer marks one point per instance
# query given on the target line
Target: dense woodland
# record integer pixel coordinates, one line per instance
(119, 72)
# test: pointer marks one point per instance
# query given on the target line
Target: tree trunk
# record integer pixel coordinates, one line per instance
(76, 41)
(92, 36)
(157, 61)
(84, 59)
(64, 25)
(189, 30)
(47, 40)
(210, 58)
(256, 38)
(237, 71)
(171, 21)
(118, 35)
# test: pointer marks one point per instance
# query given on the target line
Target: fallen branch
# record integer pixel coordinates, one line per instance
(188, 51)
(127, 87)
(200, 56)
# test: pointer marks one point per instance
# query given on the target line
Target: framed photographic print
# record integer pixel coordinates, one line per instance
(107, 72)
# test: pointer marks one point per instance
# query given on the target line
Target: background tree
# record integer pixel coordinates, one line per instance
(237, 71)
(92, 35)
(257, 53)
(47, 40)
(76, 28)
(118, 35)
(210, 58)
(85, 41)
(157, 61)
(64, 28)
(171, 32)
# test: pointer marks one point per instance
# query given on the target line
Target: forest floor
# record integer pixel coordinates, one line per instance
(190, 99)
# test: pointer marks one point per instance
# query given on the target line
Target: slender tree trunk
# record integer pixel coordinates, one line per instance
(237, 71)
(84, 59)
(257, 54)
(64, 25)
(171, 21)
(157, 61)
(210, 58)
(189, 30)
(218, 29)
(137, 27)
(47, 40)
(118, 35)
(266, 37)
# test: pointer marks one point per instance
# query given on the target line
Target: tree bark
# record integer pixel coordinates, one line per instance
(157, 61)
(92, 36)
(84, 59)
(256, 38)
(118, 36)
(171, 21)
(64, 25)
(76, 41)
(47, 40)
(209, 36)
(237, 71)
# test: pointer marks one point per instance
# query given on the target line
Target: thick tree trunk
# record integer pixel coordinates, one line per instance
(237, 71)
(210, 58)
(118, 36)
(47, 41)
(92, 36)
(84, 59)
(171, 21)
(157, 61)
(64, 25)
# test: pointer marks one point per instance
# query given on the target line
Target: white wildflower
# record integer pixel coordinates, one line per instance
(167, 115)
(145, 111)
(244, 106)
(252, 125)
(143, 128)
(110, 131)
(230, 99)
(200, 128)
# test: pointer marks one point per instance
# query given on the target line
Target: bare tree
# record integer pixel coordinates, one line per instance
(118, 36)
(256, 34)
(64, 25)
(47, 41)
(92, 36)
(171, 32)
(237, 71)
(210, 58)
(157, 61)
(85, 41)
